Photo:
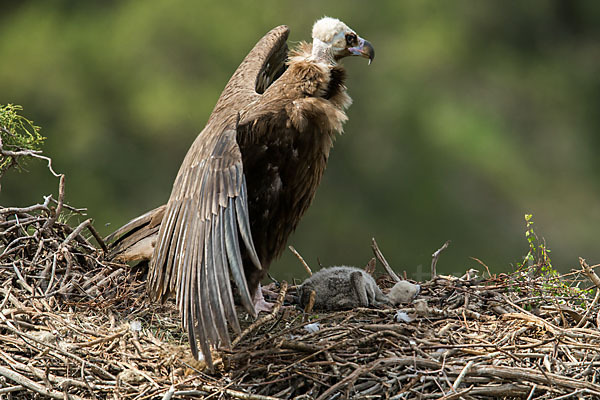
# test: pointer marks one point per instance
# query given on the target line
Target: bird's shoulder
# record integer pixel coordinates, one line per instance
(308, 93)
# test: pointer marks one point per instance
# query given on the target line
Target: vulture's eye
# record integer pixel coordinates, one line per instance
(351, 40)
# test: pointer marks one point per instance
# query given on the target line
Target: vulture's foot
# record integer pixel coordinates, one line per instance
(260, 304)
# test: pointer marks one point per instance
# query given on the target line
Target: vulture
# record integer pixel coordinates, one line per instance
(246, 181)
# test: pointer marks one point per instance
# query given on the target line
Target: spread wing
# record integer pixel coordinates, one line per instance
(198, 246)
(197, 250)
(264, 64)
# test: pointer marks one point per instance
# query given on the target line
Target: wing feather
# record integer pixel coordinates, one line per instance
(231, 256)
(241, 206)
(193, 303)
(162, 290)
(192, 307)
(213, 279)
(205, 302)
(177, 245)
(234, 255)
(185, 282)
(198, 250)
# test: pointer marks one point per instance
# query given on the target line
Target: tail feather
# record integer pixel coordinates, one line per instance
(136, 239)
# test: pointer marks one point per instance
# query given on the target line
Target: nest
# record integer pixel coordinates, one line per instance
(74, 326)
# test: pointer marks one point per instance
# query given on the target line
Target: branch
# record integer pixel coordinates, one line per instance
(76, 232)
(31, 385)
(61, 197)
(383, 261)
(266, 318)
(306, 267)
(216, 389)
(590, 272)
(435, 256)
(26, 210)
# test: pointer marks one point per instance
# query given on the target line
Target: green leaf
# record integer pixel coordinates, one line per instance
(17, 134)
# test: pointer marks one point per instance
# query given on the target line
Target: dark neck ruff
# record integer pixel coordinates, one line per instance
(336, 82)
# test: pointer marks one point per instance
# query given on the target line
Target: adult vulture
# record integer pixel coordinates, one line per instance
(246, 181)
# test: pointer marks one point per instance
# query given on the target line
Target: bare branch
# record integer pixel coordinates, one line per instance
(435, 257)
(306, 267)
(383, 261)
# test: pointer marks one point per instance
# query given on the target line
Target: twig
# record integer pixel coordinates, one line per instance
(48, 377)
(76, 232)
(590, 272)
(26, 210)
(533, 318)
(309, 306)
(383, 261)
(11, 389)
(169, 393)
(334, 367)
(105, 281)
(574, 393)
(266, 318)
(306, 267)
(31, 385)
(520, 374)
(435, 257)
(100, 340)
(98, 238)
(52, 274)
(457, 395)
(350, 378)
(11, 328)
(61, 197)
(589, 309)
(483, 264)
(462, 375)
(215, 389)
(80, 211)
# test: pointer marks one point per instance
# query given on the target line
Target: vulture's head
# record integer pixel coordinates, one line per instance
(333, 40)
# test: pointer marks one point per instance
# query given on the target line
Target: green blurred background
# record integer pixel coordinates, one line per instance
(472, 114)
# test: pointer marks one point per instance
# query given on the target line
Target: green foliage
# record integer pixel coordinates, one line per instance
(538, 254)
(18, 136)
(536, 271)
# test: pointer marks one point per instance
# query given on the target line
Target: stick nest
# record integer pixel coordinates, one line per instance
(74, 326)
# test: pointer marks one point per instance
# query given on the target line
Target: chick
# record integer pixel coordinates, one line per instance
(340, 288)
(403, 292)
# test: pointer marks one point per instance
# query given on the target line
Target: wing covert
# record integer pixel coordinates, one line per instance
(261, 66)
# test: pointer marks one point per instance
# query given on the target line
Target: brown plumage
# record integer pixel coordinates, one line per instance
(247, 179)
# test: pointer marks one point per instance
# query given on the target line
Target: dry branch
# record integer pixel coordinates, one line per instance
(434, 258)
(590, 272)
(383, 261)
(304, 264)
(272, 315)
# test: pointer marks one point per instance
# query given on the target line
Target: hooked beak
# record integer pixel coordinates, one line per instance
(363, 49)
